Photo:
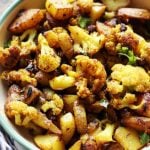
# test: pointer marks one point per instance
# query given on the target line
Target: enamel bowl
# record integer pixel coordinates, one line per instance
(19, 134)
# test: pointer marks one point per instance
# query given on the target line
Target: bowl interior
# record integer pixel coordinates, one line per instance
(18, 134)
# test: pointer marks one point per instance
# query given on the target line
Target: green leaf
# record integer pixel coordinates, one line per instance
(124, 51)
(144, 138)
(84, 22)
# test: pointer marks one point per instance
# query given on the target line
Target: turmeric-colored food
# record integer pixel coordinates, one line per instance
(78, 75)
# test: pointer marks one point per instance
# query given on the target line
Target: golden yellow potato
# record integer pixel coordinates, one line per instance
(69, 102)
(128, 138)
(49, 142)
(67, 125)
(85, 5)
(62, 82)
(80, 118)
(59, 9)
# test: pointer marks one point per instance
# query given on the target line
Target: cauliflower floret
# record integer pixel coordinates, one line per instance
(27, 46)
(56, 38)
(127, 101)
(47, 59)
(84, 42)
(9, 56)
(21, 77)
(25, 114)
(93, 70)
(55, 104)
(128, 77)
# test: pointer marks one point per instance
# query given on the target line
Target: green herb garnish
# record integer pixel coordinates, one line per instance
(144, 138)
(84, 22)
(125, 51)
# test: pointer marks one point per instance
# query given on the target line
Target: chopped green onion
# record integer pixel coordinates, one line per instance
(84, 22)
(144, 138)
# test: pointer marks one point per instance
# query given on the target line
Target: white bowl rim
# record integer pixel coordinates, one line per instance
(13, 134)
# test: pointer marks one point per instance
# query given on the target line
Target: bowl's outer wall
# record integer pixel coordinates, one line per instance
(22, 137)
(5, 20)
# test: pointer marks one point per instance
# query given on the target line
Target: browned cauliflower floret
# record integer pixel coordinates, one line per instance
(126, 77)
(117, 39)
(9, 56)
(56, 38)
(25, 114)
(84, 42)
(47, 59)
(28, 45)
(55, 104)
(21, 77)
(92, 70)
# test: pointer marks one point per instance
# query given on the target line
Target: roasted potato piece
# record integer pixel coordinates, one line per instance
(26, 20)
(67, 46)
(42, 78)
(85, 5)
(21, 77)
(52, 38)
(48, 60)
(80, 118)
(106, 135)
(128, 138)
(76, 146)
(67, 126)
(49, 142)
(137, 122)
(134, 13)
(86, 43)
(69, 102)
(62, 82)
(9, 57)
(25, 114)
(114, 5)
(97, 11)
(59, 10)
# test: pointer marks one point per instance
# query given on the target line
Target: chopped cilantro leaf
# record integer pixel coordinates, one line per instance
(84, 22)
(144, 138)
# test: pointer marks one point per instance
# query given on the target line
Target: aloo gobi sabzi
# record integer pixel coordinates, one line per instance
(78, 75)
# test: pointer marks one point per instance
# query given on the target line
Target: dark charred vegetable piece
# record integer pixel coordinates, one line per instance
(134, 13)
(144, 103)
(31, 94)
(138, 123)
